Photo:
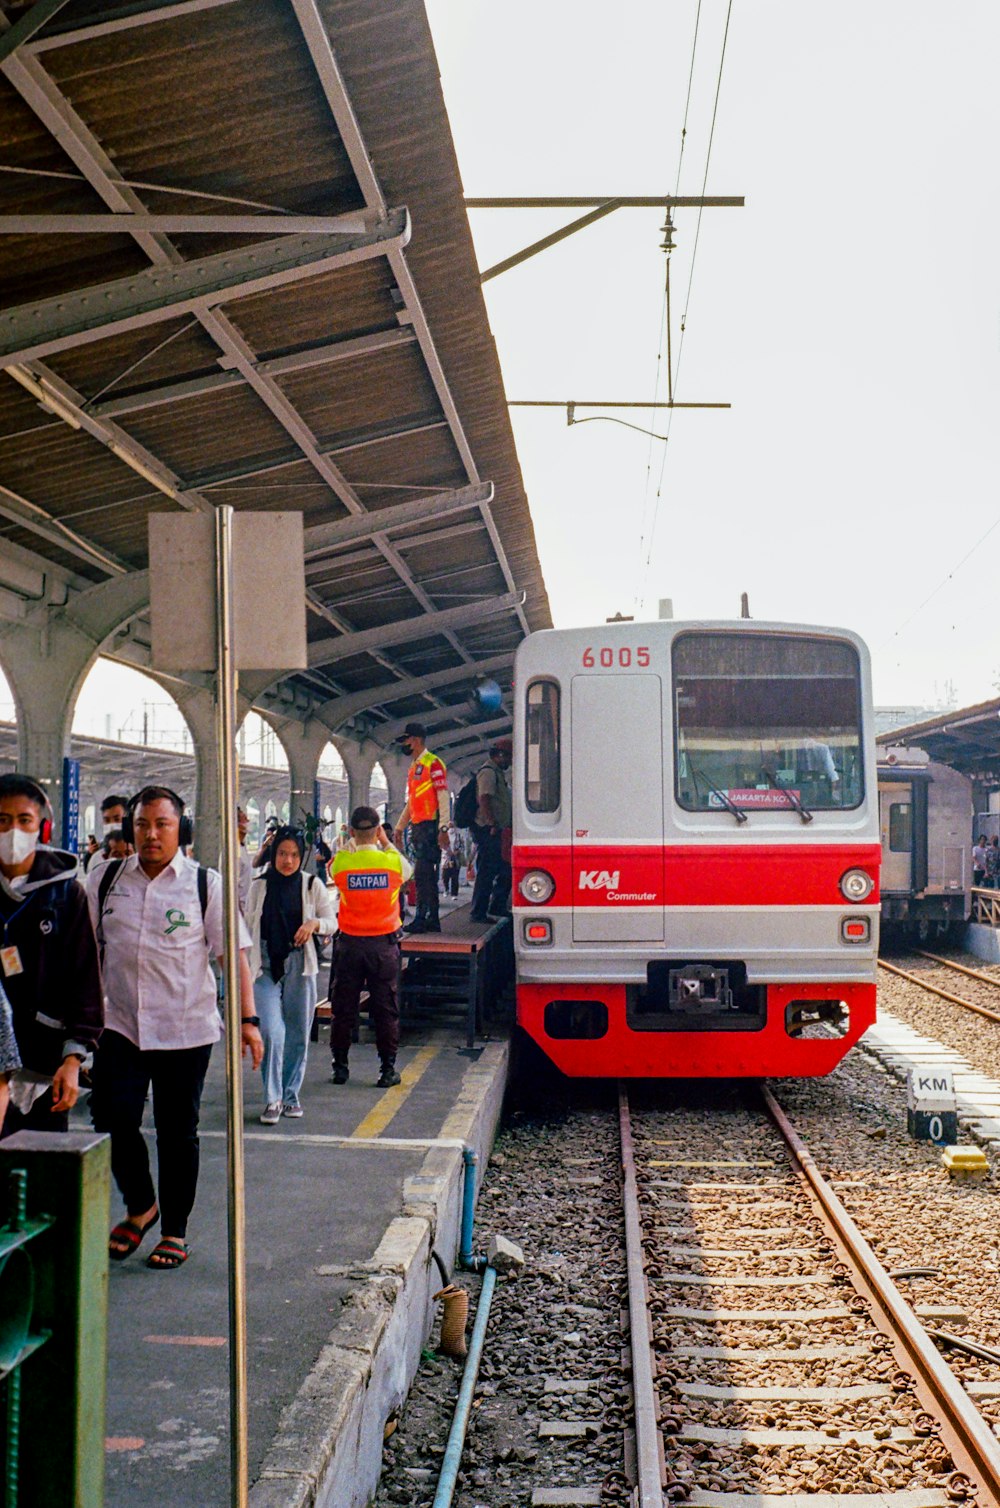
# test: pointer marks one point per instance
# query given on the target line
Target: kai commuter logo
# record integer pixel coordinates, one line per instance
(600, 879)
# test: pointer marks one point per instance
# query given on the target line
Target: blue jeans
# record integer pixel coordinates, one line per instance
(286, 1010)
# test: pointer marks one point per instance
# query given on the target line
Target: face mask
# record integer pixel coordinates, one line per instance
(16, 845)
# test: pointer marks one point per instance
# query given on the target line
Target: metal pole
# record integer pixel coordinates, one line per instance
(226, 742)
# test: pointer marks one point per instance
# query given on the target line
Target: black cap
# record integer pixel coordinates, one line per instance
(365, 819)
(413, 730)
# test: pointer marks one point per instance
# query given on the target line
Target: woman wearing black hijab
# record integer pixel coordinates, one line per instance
(285, 910)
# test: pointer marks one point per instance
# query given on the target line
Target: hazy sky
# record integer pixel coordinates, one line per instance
(850, 312)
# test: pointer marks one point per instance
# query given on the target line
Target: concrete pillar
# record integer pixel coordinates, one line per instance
(199, 709)
(303, 744)
(358, 761)
(47, 660)
(395, 766)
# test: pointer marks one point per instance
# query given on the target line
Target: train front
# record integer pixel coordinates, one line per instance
(696, 853)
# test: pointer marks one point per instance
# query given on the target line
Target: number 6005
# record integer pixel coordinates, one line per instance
(608, 658)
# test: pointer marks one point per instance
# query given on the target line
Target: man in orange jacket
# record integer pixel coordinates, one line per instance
(426, 813)
(369, 874)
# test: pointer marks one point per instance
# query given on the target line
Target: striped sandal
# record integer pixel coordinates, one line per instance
(168, 1253)
(127, 1237)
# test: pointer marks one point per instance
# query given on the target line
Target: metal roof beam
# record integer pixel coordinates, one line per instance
(458, 712)
(280, 366)
(326, 537)
(78, 318)
(342, 709)
(28, 515)
(473, 735)
(426, 626)
(400, 430)
(134, 223)
(332, 83)
(29, 24)
(98, 28)
(365, 562)
(226, 335)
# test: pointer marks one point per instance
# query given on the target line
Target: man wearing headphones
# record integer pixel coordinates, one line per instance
(48, 961)
(158, 918)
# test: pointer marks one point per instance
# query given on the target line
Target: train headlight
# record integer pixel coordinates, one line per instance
(856, 885)
(537, 887)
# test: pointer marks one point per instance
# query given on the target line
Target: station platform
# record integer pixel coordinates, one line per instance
(343, 1209)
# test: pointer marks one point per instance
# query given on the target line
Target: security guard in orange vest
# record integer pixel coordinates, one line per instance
(369, 874)
(426, 812)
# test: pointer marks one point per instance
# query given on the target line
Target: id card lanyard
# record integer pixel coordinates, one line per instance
(10, 957)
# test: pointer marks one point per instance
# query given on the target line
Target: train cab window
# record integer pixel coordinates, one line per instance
(900, 827)
(757, 715)
(541, 766)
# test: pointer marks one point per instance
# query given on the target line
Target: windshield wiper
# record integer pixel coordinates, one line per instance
(730, 805)
(793, 799)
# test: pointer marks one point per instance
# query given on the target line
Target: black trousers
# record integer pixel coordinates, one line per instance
(426, 861)
(122, 1076)
(449, 875)
(493, 875)
(372, 964)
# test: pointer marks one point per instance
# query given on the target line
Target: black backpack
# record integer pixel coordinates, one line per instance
(466, 804)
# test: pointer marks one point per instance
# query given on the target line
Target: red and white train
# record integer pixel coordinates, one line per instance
(696, 848)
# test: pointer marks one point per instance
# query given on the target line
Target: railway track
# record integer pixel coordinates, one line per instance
(769, 1346)
(993, 985)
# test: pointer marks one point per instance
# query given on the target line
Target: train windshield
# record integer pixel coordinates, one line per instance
(759, 715)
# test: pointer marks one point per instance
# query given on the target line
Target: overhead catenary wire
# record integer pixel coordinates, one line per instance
(665, 306)
(687, 304)
(941, 585)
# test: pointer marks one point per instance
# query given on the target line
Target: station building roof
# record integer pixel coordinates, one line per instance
(967, 739)
(235, 267)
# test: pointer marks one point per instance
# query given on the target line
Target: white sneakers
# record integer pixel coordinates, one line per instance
(294, 1112)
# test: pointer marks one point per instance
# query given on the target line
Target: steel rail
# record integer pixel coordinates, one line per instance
(647, 1434)
(969, 1438)
(960, 968)
(933, 989)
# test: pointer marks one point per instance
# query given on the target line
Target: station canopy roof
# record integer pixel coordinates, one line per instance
(967, 740)
(235, 267)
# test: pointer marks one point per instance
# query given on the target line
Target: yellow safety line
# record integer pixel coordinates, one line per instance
(393, 1099)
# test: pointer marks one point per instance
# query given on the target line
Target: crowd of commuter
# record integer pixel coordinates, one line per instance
(986, 862)
(106, 961)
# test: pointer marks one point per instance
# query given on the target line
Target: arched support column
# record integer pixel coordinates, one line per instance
(303, 744)
(395, 767)
(47, 662)
(199, 708)
(359, 761)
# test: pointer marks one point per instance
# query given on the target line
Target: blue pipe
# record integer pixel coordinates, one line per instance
(465, 1254)
(460, 1423)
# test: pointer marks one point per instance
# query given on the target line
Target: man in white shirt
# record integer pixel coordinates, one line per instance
(158, 919)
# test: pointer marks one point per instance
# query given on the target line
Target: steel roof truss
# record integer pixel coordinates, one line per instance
(197, 387)
(426, 626)
(325, 537)
(98, 28)
(335, 90)
(136, 223)
(341, 710)
(74, 319)
(22, 30)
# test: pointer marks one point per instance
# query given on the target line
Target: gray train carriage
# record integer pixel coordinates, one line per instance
(925, 822)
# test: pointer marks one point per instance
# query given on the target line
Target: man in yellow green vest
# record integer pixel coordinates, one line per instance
(369, 874)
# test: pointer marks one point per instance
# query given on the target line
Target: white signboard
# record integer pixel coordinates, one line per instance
(269, 601)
